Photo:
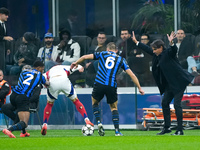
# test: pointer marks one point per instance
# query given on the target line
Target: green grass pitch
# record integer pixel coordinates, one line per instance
(74, 140)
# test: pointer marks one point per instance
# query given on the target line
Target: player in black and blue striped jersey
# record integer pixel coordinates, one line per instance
(20, 98)
(105, 82)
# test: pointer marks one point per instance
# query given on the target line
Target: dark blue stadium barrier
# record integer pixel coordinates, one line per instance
(65, 113)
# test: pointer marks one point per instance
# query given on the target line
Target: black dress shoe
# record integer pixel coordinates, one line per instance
(178, 133)
(164, 130)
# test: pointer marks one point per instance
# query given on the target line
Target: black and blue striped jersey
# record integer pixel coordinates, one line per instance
(28, 81)
(109, 64)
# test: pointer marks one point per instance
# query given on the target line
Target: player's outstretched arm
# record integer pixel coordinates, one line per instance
(135, 80)
(80, 60)
(79, 68)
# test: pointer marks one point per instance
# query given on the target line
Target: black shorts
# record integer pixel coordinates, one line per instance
(19, 101)
(100, 90)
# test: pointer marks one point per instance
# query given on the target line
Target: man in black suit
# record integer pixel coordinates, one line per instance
(170, 78)
(4, 13)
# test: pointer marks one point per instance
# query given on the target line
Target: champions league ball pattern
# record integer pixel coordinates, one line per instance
(87, 130)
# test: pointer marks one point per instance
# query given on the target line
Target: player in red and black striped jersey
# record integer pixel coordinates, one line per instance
(105, 82)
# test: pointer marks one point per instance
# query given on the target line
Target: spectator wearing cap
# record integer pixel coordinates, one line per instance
(26, 53)
(48, 54)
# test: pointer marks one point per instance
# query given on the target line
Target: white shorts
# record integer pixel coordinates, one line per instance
(60, 84)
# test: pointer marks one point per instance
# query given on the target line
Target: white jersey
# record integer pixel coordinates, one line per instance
(59, 82)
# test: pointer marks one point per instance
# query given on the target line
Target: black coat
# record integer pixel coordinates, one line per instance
(2, 32)
(167, 70)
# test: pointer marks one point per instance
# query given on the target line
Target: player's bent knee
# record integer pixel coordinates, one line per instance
(94, 101)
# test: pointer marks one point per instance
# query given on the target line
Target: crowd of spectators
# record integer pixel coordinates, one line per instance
(28, 48)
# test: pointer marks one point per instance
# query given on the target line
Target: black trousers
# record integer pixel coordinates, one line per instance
(168, 97)
(2, 56)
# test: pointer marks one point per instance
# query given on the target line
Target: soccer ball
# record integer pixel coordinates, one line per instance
(87, 130)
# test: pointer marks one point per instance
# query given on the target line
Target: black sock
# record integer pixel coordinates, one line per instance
(115, 119)
(19, 126)
(23, 131)
(96, 113)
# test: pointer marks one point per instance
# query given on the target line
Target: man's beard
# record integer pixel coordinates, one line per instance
(48, 43)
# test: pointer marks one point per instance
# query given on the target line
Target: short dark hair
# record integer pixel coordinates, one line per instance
(145, 34)
(29, 36)
(5, 11)
(125, 29)
(157, 44)
(102, 32)
(38, 63)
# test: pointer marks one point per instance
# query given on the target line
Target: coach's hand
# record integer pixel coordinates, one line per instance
(134, 38)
